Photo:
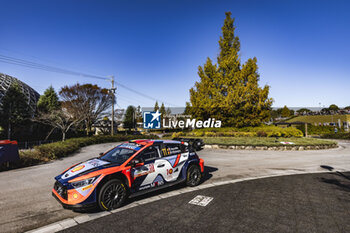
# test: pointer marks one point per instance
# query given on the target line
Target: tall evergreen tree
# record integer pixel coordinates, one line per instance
(229, 91)
(129, 118)
(49, 101)
(138, 114)
(156, 106)
(15, 109)
(188, 109)
(162, 110)
(285, 112)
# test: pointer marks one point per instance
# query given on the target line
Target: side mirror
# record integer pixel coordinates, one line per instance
(134, 162)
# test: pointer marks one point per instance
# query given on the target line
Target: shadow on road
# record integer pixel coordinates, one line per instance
(207, 176)
(341, 184)
(207, 173)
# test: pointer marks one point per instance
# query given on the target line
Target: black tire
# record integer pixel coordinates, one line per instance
(194, 176)
(112, 195)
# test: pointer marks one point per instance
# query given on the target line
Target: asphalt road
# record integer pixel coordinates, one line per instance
(25, 194)
(297, 203)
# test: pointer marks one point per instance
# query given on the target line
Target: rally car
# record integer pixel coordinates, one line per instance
(132, 168)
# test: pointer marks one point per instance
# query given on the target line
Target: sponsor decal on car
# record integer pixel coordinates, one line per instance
(78, 168)
(143, 170)
(84, 167)
(154, 184)
(94, 163)
(87, 187)
(130, 146)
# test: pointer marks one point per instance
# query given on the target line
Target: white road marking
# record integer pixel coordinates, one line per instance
(201, 200)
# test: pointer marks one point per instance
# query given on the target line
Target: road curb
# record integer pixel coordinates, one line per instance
(273, 148)
(70, 222)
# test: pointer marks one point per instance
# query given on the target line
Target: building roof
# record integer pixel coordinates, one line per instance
(6, 81)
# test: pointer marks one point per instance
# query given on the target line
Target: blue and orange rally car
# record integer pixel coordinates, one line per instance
(132, 168)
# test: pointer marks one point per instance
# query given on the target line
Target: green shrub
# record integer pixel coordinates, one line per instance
(215, 130)
(209, 134)
(228, 134)
(47, 152)
(61, 149)
(261, 134)
(245, 134)
(166, 135)
(260, 131)
(198, 134)
(318, 130)
(220, 134)
(291, 132)
(337, 136)
(178, 134)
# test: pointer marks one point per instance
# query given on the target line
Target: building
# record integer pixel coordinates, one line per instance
(6, 81)
(340, 121)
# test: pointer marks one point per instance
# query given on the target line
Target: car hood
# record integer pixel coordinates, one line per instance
(83, 167)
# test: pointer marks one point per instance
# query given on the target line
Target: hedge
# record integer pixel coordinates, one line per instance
(51, 151)
(345, 136)
(260, 131)
(60, 149)
(318, 130)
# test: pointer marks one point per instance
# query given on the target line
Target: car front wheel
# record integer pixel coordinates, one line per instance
(112, 195)
(194, 176)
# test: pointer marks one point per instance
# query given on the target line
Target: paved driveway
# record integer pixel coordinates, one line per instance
(25, 194)
(297, 203)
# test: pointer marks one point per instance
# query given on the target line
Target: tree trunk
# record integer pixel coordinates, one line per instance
(47, 137)
(9, 131)
(87, 127)
(63, 136)
(9, 125)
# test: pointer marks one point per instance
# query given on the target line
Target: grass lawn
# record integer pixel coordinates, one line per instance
(265, 141)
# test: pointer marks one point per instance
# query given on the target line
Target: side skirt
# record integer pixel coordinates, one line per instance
(139, 193)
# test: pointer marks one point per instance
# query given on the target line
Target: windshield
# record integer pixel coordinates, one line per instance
(118, 155)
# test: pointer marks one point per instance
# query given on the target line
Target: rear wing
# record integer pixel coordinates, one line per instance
(195, 144)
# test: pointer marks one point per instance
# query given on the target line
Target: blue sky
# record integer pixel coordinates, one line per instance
(155, 47)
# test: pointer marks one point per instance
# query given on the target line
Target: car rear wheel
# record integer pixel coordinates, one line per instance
(194, 176)
(112, 195)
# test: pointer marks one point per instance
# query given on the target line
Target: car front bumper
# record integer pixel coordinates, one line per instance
(75, 206)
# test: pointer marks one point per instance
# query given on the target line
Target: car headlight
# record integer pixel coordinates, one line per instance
(83, 183)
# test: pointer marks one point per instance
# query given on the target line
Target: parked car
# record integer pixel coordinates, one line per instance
(129, 169)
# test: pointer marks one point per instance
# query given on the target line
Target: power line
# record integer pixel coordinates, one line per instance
(34, 65)
(52, 62)
(132, 99)
(21, 62)
(127, 100)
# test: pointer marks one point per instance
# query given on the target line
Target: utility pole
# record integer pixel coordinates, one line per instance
(112, 92)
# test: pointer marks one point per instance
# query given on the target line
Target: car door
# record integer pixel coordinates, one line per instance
(145, 175)
(174, 156)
